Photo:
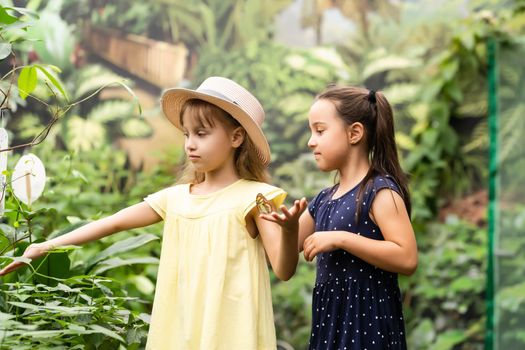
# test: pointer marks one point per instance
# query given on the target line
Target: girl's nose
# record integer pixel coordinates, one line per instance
(311, 142)
(189, 145)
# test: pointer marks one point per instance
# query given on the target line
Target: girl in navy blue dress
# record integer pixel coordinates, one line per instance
(359, 230)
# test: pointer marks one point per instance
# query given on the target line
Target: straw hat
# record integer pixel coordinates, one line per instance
(230, 97)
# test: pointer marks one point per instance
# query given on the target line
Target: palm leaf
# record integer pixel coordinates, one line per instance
(94, 77)
(136, 128)
(107, 111)
(84, 135)
(388, 63)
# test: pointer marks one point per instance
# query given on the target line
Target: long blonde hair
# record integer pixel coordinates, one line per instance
(247, 163)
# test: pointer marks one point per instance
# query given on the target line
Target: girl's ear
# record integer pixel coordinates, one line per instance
(355, 132)
(237, 137)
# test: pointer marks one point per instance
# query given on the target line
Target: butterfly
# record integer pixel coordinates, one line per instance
(263, 205)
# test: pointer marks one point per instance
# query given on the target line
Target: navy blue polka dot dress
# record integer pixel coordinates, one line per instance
(355, 305)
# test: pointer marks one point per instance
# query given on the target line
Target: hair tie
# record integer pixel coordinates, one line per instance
(372, 96)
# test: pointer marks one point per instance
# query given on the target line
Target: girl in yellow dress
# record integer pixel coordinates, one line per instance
(213, 288)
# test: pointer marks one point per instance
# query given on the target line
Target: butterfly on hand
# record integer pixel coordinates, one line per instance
(263, 205)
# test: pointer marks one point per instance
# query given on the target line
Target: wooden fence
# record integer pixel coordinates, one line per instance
(159, 63)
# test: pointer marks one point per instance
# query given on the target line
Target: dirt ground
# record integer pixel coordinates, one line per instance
(472, 208)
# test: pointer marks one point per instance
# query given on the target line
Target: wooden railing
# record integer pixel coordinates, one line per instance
(159, 63)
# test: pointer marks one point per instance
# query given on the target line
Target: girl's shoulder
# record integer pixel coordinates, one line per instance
(380, 182)
(248, 190)
(250, 186)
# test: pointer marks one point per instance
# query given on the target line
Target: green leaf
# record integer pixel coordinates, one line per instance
(109, 264)
(105, 331)
(55, 265)
(389, 63)
(84, 135)
(27, 81)
(95, 77)
(4, 317)
(135, 98)
(26, 306)
(135, 128)
(423, 335)
(5, 17)
(18, 258)
(143, 284)
(53, 81)
(448, 339)
(123, 246)
(112, 110)
(4, 243)
(5, 50)
(511, 298)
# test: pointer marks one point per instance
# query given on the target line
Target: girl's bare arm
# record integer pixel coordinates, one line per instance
(306, 228)
(279, 233)
(396, 253)
(138, 215)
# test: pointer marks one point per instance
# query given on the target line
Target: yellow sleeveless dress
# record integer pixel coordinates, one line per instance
(213, 286)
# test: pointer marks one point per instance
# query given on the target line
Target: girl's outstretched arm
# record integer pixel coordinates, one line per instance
(135, 216)
(396, 253)
(279, 233)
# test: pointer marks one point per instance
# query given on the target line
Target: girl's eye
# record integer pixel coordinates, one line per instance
(319, 131)
(201, 133)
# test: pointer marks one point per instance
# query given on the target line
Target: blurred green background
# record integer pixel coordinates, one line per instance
(74, 71)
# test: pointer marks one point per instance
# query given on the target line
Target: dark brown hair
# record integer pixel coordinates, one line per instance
(356, 104)
(247, 161)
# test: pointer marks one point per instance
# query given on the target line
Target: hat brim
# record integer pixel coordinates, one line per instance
(173, 100)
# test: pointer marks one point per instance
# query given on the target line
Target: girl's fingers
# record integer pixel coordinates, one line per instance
(11, 267)
(308, 251)
(312, 253)
(278, 217)
(286, 213)
(295, 209)
(268, 217)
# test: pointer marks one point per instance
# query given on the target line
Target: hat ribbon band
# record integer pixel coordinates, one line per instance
(217, 94)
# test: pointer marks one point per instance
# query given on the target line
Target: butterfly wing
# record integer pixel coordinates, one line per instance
(263, 205)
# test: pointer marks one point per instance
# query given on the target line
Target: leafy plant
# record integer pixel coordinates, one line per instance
(217, 26)
(444, 301)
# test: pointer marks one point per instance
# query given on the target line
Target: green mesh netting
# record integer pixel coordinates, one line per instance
(506, 289)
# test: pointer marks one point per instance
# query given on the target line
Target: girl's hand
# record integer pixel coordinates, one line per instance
(33, 251)
(321, 242)
(289, 218)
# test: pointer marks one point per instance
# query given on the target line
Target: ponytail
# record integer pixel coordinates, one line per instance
(371, 108)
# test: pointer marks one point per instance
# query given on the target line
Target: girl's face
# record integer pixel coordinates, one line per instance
(329, 141)
(208, 147)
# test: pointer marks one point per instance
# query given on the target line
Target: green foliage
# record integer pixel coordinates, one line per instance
(54, 39)
(141, 18)
(292, 303)
(444, 301)
(128, 260)
(510, 267)
(81, 312)
(432, 68)
(217, 26)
